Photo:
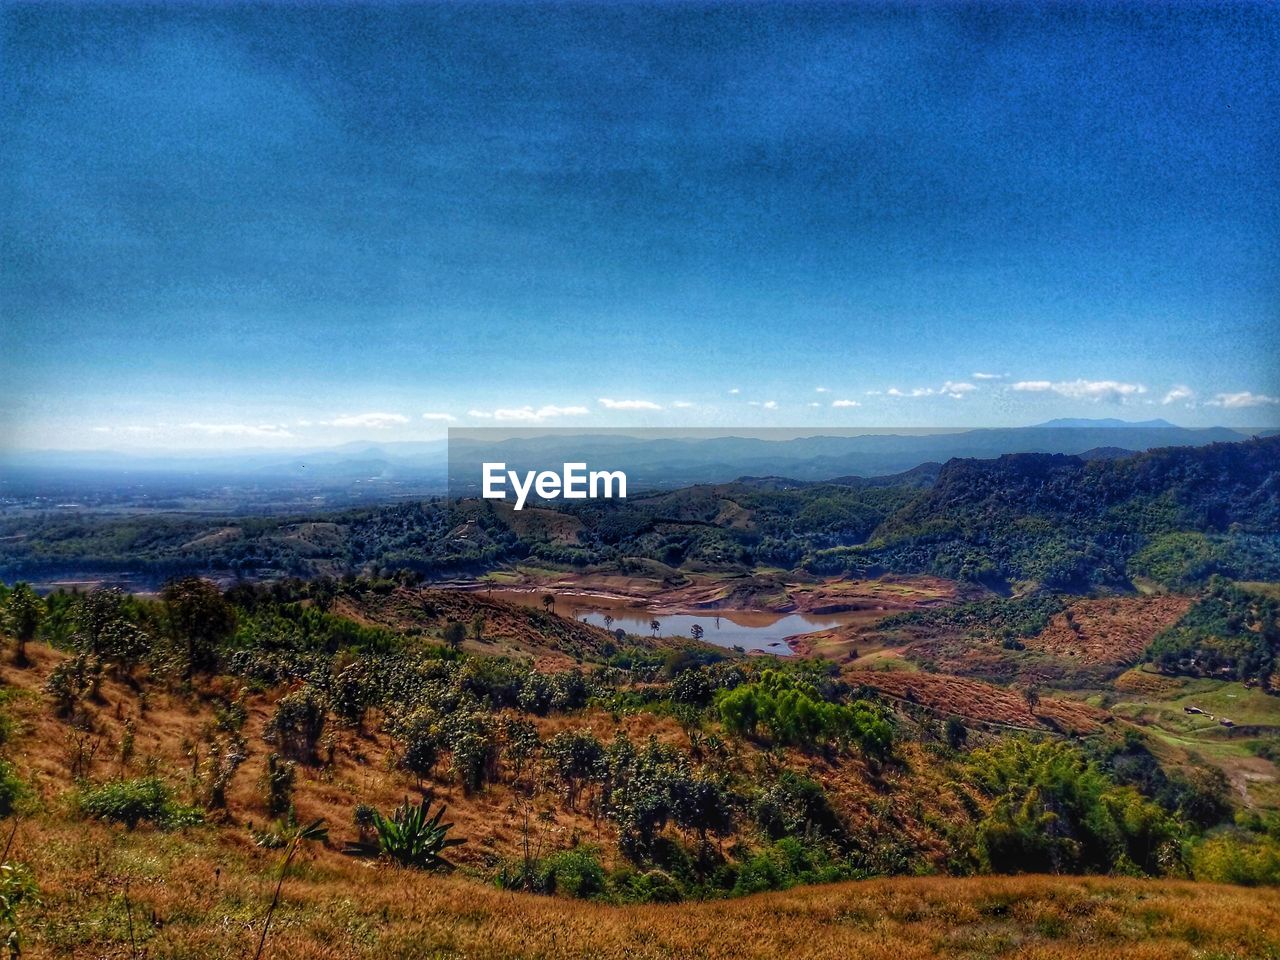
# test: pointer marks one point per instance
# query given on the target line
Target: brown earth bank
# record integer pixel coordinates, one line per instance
(678, 592)
(549, 641)
(1112, 631)
(985, 702)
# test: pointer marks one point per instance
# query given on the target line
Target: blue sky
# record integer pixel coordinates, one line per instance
(281, 226)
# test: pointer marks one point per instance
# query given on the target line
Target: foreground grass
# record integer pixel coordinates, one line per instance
(359, 912)
(194, 895)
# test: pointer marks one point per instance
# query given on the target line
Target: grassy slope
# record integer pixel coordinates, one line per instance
(336, 908)
(202, 891)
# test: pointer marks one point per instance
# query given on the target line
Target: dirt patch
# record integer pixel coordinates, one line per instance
(985, 702)
(1109, 631)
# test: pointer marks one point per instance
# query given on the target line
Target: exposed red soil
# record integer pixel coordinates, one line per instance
(1109, 631)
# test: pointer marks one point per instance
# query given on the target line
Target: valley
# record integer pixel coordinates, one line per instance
(786, 700)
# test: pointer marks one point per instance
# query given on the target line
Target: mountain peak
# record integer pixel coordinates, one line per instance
(1078, 423)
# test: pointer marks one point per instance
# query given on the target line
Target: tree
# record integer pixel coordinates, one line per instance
(696, 631)
(104, 631)
(1032, 697)
(477, 627)
(608, 621)
(655, 626)
(200, 620)
(297, 722)
(578, 758)
(419, 731)
(548, 601)
(23, 614)
(454, 633)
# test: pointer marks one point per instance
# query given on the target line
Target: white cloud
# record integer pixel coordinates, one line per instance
(814, 403)
(735, 391)
(874, 393)
(238, 429)
(1239, 401)
(989, 376)
(845, 403)
(100, 429)
(528, 414)
(441, 417)
(821, 390)
(628, 404)
(1179, 393)
(368, 421)
(767, 404)
(1110, 391)
(957, 390)
(681, 404)
(917, 392)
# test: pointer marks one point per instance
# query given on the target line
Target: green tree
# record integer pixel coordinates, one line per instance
(23, 613)
(200, 619)
(454, 633)
(577, 758)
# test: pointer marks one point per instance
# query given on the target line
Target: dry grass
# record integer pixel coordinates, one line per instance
(190, 898)
(1110, 631)
(552, 642)
(201, 892)
(975, 700)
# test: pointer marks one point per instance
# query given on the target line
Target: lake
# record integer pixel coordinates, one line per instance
(749, 629)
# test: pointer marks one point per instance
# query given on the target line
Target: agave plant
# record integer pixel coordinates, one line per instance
(412, 837)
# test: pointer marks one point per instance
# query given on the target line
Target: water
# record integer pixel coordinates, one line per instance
(749, 629)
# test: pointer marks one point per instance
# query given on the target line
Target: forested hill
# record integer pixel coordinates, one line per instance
(1174, 516)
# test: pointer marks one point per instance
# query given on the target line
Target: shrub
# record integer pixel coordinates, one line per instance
(577, 758)
(297, 723)
(575, 873)
(796, 806)
(16, 888)
(1054, 811)
(419, 733)
(134, 801)
(1237, 858)
(12, 789)
(649, 886)
(277, 785)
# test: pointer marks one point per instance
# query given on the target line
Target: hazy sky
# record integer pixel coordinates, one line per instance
(221, 226)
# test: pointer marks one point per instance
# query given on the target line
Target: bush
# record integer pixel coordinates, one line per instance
(1237, 858)
(134, 801)
(12, 789)
(419, 733)
(649, 886)
(297, 723)
(575, 873)
(1054, 811)
(277, 785)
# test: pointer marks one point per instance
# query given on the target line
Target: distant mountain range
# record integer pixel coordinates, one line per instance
(658, 462)
(674, 462)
